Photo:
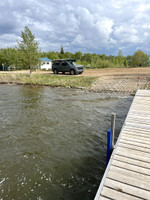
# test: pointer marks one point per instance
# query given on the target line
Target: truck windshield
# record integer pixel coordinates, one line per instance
(75, 64)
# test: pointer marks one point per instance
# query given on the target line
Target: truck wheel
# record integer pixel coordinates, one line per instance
(72, 72)
(55, 71)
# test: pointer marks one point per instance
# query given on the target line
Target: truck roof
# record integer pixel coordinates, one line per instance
(70, 60)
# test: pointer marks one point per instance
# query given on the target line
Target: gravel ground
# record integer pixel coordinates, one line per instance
(120, 79)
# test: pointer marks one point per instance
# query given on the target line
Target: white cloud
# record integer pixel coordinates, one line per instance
(143, 7)
(7, 40)
(89, 26)
(146, 26)
(146, 34)
(78, 40)
(126, 34)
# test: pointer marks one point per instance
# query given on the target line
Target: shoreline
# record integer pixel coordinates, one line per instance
(93, 80)
(91, 90)
(38, 85)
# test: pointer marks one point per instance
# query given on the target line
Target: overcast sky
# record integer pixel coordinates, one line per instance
(95, 26)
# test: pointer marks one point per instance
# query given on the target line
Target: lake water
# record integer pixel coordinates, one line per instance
(53, 141)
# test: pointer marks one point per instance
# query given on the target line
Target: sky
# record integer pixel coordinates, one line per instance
(90, 26)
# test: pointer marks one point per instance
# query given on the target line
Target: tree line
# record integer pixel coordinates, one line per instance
(26, 54)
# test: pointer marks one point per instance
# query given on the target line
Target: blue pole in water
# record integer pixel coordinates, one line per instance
(108, 145)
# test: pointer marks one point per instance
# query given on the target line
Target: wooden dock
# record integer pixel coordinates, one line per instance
(127, 176)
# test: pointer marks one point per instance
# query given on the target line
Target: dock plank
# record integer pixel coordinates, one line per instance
(103, 198)
(128, 189)
(120, 196)
(135, 138)
(134, 147)
(135, 143)
(137, 134)
(131, 167)
(131, 161)
(129, 180)
(127, 176)
(126, 172)
(134, 154)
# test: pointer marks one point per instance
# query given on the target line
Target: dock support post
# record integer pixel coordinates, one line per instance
(108, 146)
(113, 118)
(138, 83)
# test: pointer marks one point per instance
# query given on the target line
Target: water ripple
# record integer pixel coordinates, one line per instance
(53, 141)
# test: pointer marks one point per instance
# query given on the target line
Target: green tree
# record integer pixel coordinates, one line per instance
(29, 49)
(68, 55)
(140, 59)
(87, 58)
(7, 56)
(62, 52)
(129, 60)
(125, 63)
(2, 57)
(103, 56)
(53, 55)
(78, 55)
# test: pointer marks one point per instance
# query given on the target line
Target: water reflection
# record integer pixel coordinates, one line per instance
(31, 97)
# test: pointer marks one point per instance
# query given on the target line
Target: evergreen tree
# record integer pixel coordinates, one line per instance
(62, 52)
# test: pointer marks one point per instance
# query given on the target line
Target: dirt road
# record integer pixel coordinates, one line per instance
(118, 72)
(113, 72)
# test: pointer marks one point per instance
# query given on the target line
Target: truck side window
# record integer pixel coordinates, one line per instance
(64, 64)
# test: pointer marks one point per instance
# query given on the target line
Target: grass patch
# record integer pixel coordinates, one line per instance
(48, 80)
